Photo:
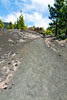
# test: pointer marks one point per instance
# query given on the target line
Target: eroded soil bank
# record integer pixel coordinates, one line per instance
(58, 46)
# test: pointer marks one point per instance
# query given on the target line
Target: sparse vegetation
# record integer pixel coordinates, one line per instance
(38, 29)
(1, 24)
(48, 32)
(10, 26)
(19, 24)
(9, 30)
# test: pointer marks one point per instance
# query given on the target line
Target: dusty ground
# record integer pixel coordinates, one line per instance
(11, 44)
(32, 68)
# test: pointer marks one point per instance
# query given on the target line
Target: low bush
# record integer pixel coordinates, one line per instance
(9, 30)
(48, 32)
(25, 27)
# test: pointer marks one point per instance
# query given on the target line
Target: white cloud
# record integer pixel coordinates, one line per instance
(11, 17)
(37, 19)
(37, 9)
(43, 2)
(39, 5)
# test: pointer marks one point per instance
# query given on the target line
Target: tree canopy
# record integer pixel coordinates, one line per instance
(10, 26)
(19, 24)
(58, 15)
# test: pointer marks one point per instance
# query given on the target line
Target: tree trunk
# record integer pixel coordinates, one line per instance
(66, 32)
(66, 29)
(56, 28)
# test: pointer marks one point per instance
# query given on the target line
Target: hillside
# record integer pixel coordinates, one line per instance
(30, 68)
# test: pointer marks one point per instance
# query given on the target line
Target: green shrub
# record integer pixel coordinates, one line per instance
(48, 32)
(61, 36)
(66, 39)
(8, 27)
(33, 28)
(9, 30)
(1, 24)
(25, 27)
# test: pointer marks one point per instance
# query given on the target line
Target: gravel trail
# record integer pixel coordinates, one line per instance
(42, 75)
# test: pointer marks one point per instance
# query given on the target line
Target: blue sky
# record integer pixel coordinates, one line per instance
(35, 11)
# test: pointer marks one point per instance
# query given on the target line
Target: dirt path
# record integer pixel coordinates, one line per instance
(11, 44)
(42, 75)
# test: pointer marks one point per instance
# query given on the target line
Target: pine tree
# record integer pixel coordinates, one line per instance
(20, 22)
(56, 14)
(65, 17)
(10, 25)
